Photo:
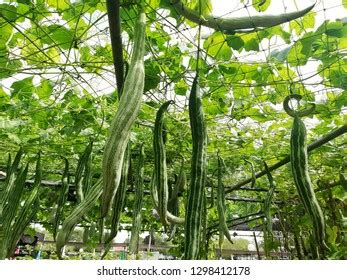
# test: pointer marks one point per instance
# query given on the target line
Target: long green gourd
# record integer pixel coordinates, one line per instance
(81, 170)
(268, 200)
(5, 191)
(62, 199)
(254, 179)
(28, 211)
(160, 162)
(297, 245)
(118, 203)
(83, 175)
(178, 188)
(181, 181)
(10, 210)
(137, 210)
(173, 207)
(223, 227)
(236, 24)
(173, 204)
(172, 219)
(267, 228)
(212, 196)
(299, 164)
(203, 251)
(3, 199)
(128, 109)
(101, 229)
(76, 215)
(196, 192)
(343, 180)
(159, 184)
(88, 176)
(8, 170)
(10, 179)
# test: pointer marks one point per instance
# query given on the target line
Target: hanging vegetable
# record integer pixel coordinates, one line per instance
(299, 164)
(62, 199)
(254, 178)
(76, 215)
(223, 227)
(159, 183)
(268, 200)
(14, 216)
(236, 24)
(137, 215)
(82, 175)
(196, 192)
(118, 202)
(29, 209)
(128, 109)
(160, 163)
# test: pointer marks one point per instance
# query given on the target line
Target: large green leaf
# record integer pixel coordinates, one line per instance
(336, 29)
(261, 5)
(217, 47)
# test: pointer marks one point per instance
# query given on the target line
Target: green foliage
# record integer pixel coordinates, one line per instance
(217, 47)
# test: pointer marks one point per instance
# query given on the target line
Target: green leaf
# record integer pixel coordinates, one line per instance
(308, 43)
(61, 36)
(339, 193)
(344, 3)
(261, 5)
(217, 46)
(181, 87)
(211, 108)
(206, 7)
(5, 33)
(336, 29)
(22, 89)
(341, 100)
(44, 91)
(22, 12)
(296, 56)
(251, 42)
(303, 24)
(152, 78)
(332, 234)
(59, 4)
(203, 6)
(256, 115)
(152, 5)
(8, 12)
(280, 56)
(235, 42)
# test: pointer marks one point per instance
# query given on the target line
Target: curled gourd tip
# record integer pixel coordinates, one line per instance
(297, 113)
